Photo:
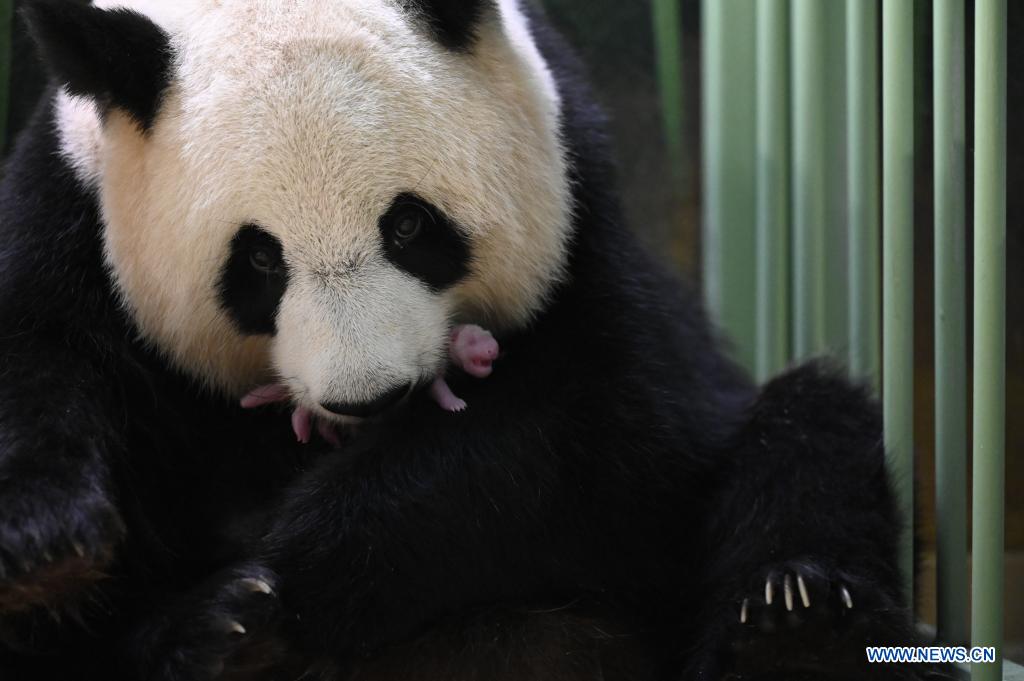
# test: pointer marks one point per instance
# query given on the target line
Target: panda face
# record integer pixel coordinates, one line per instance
(325, 189)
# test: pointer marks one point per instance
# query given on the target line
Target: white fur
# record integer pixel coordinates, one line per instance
(308, 117)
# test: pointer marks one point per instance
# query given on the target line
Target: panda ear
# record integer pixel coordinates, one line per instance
(118, 57)
(454, 22)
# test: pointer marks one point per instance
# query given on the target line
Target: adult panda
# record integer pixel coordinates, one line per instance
(225, 193)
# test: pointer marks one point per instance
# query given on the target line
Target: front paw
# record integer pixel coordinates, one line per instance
(56, 540)
(225, 630)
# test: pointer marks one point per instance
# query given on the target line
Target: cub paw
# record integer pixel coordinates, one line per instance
(54, 542)
(221, 634)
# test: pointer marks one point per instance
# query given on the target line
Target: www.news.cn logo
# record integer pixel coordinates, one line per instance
(931, 654)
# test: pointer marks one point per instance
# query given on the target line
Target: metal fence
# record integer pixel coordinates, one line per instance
(808, 237)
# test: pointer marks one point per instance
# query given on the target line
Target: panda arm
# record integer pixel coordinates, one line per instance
(417, 530)
(55, 441)
(58, 414)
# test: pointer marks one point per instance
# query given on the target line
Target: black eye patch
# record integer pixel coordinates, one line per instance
(419, 239)
(253, 280)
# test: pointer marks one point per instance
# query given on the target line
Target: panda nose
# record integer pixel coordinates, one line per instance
(370, 408)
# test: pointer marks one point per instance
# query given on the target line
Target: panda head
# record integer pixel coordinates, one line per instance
(313, 191)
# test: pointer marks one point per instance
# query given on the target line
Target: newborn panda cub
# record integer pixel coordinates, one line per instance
(471, 348)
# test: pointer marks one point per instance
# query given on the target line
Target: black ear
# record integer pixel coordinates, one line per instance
(117, 56)
(453, 22)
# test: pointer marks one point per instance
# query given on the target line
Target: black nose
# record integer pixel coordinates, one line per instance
(367, 408)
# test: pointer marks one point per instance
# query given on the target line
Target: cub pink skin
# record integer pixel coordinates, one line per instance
(471, 348)
(474, 350)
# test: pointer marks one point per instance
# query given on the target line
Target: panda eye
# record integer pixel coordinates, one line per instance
(262, 260)
(253, 280)
(408, 223)
(421, 240)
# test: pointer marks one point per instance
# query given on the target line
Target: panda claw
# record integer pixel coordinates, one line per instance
(787, 589)
(769, 591)
(744, 610)
(257, 585)
(847, 599)
(234, 627)
(802, 587)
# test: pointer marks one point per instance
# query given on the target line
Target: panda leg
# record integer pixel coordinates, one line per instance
(803, 573)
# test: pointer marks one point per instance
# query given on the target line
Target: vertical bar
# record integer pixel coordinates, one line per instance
(989, 329)
(898, 260)
(950, 320)
(6, 15)
(772, 187)
(728, 121)
(808, 178)
(669, 56)
(863, 195)
(836, 220)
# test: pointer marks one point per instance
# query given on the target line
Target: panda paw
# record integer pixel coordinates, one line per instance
(55, 543)
(795, 595)
(222, 632)
(803, 620)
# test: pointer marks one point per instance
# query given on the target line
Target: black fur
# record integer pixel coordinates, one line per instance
(452, 22)
(375, 406)
(614, 493)
(253, 280)
(118, 56)
(438, 254)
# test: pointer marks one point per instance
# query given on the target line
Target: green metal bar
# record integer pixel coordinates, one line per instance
(728, 122)
(808, 178)
(6, 15)
(863, 195)
(898, 259)
(1011, 671)
(668, 46)
(772, 187)
(989, 329)
(950, 320)
(836, 222)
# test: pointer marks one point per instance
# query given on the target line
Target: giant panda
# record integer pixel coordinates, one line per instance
(218, 194)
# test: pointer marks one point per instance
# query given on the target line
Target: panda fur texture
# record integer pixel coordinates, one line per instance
(218, 194)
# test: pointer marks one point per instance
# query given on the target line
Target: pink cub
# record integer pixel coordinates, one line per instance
(471, 348)
(474, 350)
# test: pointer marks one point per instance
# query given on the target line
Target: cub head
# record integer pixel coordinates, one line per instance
(314, 191)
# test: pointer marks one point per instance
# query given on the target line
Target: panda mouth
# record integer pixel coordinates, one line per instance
(303, 418)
